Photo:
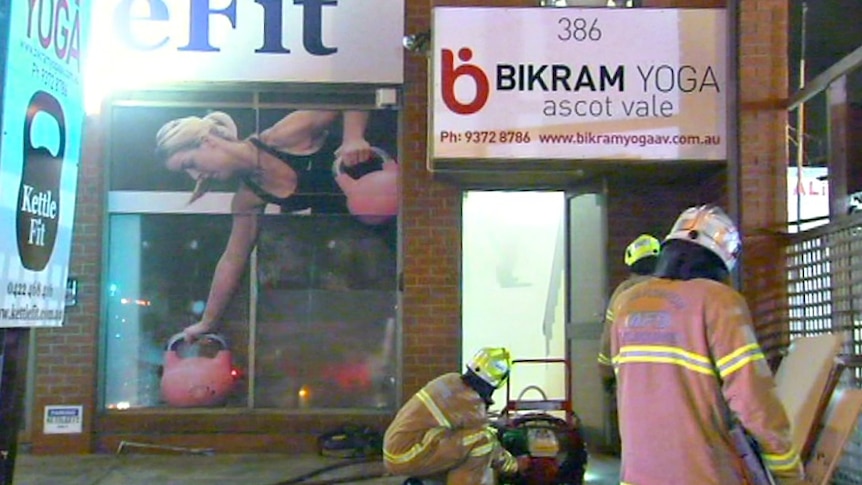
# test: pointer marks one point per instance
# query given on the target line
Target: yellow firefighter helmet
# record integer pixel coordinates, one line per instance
(710, 227)
(642, 247)
(491, 364)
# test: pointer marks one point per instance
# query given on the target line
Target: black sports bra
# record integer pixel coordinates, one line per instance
(316, 188)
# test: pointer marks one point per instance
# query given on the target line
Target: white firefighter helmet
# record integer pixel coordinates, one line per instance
(491, 364)
(710, 227)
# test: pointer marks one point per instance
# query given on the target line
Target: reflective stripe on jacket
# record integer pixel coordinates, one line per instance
(686, 360)
(440, 427)
(604, 358)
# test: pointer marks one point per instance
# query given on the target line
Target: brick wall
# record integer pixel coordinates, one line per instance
(431, 238)
(763, 92)
(66, 357)
(635, 208)
(431, 227)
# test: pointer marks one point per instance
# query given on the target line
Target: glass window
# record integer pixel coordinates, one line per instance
(134, 166)
(159, 270)
(246, 268)
(325, 314)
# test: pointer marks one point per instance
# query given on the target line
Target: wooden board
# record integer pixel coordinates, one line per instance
(839, 422)
(802, 378)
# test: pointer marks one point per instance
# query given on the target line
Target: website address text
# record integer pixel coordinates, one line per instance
(30, 313)
(622, 139)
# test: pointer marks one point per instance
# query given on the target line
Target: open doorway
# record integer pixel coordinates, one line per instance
(534, 280)
(513, 283)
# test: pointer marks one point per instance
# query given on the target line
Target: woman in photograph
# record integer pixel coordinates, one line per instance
(288, 164)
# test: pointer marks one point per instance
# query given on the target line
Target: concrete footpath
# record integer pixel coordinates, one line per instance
(258, 469)
(150, 469)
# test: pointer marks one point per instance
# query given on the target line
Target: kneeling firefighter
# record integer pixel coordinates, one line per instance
(689, 368)
(443, 432)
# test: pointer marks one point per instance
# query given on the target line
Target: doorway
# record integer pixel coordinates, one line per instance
(534, 280)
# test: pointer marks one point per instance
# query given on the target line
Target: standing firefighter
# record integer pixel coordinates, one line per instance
(689, 368)
(443, 431)
(641, 257)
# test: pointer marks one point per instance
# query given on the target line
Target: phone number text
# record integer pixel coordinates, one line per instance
(485, 136)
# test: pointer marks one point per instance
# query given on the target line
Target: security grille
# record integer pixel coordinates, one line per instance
(824, 276)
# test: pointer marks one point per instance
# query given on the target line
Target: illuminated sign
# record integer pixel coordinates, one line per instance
(579, 83)
(40, 147)
(807, 197)
(148, 42)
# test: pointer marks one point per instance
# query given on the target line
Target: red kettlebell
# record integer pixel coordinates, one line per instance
(191, 378)
(372, 198)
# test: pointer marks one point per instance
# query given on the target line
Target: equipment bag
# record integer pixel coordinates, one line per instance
(350, 441)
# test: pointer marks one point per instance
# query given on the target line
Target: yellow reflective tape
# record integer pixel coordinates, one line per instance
(510, 465)
(482, 450)
(413, 451)
(739, 364)
(784, 468)
(737, 359)
(660, 354)
(781, 456)
(604, 359)
(433, 409)
(474, 438)
(666, 349)
(664, 360)
(736, 353)
(782, 462)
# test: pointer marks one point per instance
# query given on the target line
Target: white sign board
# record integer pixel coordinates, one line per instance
(40, 147)
(142, 43)
(579, 83)
(807, 197)
(63, 420)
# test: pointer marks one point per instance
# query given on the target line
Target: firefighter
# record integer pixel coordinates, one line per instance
(641, 256)
(689, 368)
(443, 432)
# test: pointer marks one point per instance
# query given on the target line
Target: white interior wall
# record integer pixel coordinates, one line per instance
(513, 281)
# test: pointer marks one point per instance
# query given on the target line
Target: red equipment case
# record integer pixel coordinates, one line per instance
(555, 444)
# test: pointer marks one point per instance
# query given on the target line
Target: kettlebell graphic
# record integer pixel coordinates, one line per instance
(191, 379)
(38, 211)
(373, 197)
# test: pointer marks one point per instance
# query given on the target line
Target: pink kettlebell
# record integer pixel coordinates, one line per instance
(372, 198)
(190, 379)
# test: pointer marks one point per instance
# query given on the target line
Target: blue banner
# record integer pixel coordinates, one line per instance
(40, 147)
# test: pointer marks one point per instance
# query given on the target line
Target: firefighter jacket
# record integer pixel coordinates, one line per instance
(687, 365)
(605, 367)
(444, 430)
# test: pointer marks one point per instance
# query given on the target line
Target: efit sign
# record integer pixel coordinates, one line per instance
(168, 41)
(196, 35)
(570, 83)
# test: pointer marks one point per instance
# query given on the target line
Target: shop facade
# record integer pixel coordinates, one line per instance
(339, 319)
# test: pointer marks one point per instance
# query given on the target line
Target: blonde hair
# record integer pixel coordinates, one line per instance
(183, 133)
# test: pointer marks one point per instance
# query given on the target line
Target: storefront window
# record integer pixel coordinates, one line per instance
(159, 275)
(234, 228)
(325, 308)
